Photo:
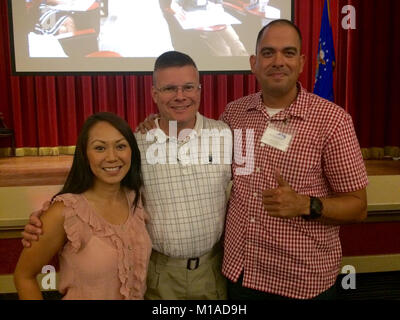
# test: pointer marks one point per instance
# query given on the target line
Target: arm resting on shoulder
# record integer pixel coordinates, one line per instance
(32, 259)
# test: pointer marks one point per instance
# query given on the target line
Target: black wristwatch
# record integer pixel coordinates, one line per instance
(315, 209)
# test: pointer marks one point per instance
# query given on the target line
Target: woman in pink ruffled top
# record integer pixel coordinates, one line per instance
(96, 223)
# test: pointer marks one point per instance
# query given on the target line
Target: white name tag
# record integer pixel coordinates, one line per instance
(276, 139)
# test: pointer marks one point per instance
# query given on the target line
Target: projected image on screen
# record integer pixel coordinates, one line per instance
(122, 35)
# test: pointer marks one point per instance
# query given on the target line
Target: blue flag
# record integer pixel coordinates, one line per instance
(325, 58)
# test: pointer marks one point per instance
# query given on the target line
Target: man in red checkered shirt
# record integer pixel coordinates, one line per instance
(307, 176)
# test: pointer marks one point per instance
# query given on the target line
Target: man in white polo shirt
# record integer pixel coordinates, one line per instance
(184, 186)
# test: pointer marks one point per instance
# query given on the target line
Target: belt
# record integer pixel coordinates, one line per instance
(190, 264)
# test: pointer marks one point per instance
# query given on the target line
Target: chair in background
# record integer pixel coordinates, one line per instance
(6, 132)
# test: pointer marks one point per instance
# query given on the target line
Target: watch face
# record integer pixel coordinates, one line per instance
(315, 209)
(317, 205)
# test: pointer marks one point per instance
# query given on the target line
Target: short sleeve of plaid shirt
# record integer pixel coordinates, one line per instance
(289, 257)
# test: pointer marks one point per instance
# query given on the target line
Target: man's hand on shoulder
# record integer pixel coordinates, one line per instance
(32, 230)
(148, 124)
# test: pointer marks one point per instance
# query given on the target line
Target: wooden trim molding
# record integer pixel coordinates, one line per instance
(373, 263)
(382, 167)
(7, 282)
(388, 152)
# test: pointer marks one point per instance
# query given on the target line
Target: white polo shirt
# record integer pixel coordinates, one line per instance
(186, 201)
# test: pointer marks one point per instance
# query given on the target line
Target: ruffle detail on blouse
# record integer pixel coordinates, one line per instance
(138, 280)
(142, 214)
(73, 213)
(130, 262)
(77, 213)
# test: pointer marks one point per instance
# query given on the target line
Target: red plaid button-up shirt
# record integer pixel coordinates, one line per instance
(289, 257)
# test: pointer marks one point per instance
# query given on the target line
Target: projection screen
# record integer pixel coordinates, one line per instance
(106, 36)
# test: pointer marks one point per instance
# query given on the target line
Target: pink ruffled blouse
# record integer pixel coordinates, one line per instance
(101, 260)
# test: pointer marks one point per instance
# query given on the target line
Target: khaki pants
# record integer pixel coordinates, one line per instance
(170, 279)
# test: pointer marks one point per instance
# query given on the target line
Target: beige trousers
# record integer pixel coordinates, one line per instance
(170, 279)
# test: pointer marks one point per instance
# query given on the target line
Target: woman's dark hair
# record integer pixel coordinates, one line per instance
(80, 177)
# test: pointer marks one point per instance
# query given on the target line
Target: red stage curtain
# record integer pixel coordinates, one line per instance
(47, 111)
(367, 64)
(373, 60)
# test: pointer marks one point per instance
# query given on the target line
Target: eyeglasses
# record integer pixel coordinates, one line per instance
(171, 90)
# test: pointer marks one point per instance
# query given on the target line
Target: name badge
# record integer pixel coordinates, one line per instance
(276, 139)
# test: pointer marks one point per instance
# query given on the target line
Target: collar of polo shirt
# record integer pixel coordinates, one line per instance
(196, 131)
